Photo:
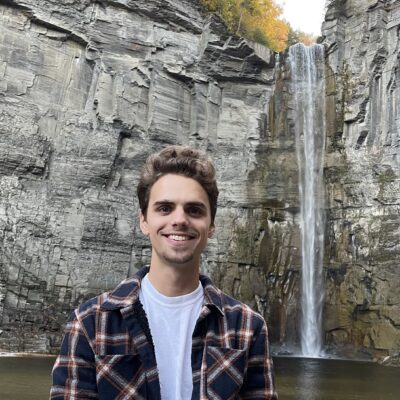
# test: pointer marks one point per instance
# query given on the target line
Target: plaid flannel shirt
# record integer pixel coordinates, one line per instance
(107, 352)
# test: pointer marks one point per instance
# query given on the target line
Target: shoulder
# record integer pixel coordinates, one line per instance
(234, 308)
(124, 295)
(234, 311)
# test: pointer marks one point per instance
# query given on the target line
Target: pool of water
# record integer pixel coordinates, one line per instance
(25, 378)
(321, 379)
(28, 378)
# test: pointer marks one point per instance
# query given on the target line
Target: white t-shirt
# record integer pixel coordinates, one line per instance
(172, 321)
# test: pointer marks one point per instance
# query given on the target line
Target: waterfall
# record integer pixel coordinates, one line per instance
(308, 86)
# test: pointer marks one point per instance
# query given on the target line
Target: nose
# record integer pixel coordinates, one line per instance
(179, 217)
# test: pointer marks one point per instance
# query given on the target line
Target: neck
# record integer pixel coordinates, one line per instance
(172, 281)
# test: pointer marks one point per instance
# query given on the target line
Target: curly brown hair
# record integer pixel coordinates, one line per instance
(178, 160)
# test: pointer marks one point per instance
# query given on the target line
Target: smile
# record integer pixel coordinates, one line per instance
(179, 238)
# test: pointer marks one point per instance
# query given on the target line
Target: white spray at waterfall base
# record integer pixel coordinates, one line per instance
(308, 85)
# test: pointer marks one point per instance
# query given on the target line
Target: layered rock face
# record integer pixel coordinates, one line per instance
(362, 175)
(88, 90)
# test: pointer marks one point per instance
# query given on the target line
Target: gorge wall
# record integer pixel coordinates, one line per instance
(89, 88)
(362, 174)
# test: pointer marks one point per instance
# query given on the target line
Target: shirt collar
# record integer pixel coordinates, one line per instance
(127, 293)
(212, 295)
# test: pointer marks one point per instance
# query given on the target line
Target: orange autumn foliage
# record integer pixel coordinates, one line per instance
(296, 36)
(258, 20)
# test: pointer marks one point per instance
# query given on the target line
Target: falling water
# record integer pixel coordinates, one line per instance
(308, 85)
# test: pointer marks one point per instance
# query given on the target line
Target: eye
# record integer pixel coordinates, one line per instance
(164, 209)
(195, 211)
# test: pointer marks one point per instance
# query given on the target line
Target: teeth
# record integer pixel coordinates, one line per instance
(179, 237)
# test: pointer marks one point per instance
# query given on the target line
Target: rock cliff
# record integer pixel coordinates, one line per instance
(362, 175)
(89, 88)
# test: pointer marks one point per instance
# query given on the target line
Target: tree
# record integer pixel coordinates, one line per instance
(258, 20)
(296, 36)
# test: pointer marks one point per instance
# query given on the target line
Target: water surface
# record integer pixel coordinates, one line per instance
(27, 378)
(318, 379)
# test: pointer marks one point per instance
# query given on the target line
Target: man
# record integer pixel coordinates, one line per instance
(167, 333)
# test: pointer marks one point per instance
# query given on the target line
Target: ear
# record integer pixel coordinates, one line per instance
(211, 230)
(143, 224)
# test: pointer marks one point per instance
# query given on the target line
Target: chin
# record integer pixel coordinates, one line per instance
(180, 261)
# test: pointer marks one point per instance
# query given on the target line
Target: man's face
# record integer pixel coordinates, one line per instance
(178, 221)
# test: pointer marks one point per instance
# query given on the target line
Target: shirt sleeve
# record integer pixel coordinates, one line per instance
(74, 372)
(259, 381)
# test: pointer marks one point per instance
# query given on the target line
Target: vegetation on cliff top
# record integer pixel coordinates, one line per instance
(258, 20)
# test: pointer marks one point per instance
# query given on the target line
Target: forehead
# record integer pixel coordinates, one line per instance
(177, 188)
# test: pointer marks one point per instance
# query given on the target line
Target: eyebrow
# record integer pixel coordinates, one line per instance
(162, 203)
(189, 203)
(196, 203)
